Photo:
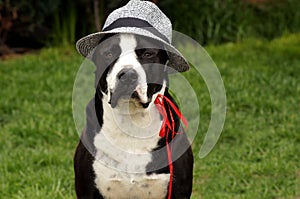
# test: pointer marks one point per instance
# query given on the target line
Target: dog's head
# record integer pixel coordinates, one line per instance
(130, 69)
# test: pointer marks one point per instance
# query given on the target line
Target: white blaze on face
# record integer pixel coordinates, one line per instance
(128, 59)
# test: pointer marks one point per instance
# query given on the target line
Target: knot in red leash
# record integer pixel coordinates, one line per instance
(168, 125)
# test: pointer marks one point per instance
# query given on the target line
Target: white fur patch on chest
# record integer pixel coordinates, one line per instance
(114, 184)
(124, 148)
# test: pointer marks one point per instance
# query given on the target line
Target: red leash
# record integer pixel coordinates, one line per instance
(168, 126)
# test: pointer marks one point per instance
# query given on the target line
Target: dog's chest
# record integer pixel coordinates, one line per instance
(123, 152)
(116, 184)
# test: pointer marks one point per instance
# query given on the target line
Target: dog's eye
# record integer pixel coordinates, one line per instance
(148, 54)
(108, 55)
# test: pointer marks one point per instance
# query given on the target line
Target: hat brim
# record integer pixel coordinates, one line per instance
(86, 45)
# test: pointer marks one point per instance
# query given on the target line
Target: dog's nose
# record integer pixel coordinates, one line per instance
(128, 76)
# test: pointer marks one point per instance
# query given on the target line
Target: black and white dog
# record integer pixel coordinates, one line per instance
(122, 155)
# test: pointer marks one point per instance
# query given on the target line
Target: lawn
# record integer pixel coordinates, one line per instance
(257, 155)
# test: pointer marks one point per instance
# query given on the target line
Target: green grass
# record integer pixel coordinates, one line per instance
(257, 155)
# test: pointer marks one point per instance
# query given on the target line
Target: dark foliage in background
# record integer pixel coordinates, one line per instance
(30, 23)
(22, 23)
(33, 24)
(218, 21)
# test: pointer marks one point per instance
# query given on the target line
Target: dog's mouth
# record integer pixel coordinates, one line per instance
(128, 94)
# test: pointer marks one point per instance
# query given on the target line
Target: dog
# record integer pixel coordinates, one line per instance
(119, 159)
(133, 144)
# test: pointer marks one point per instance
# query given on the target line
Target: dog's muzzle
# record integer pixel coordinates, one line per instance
(128, 76)
(127, 81)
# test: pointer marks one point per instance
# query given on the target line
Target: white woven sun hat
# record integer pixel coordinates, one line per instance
(140, 18)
